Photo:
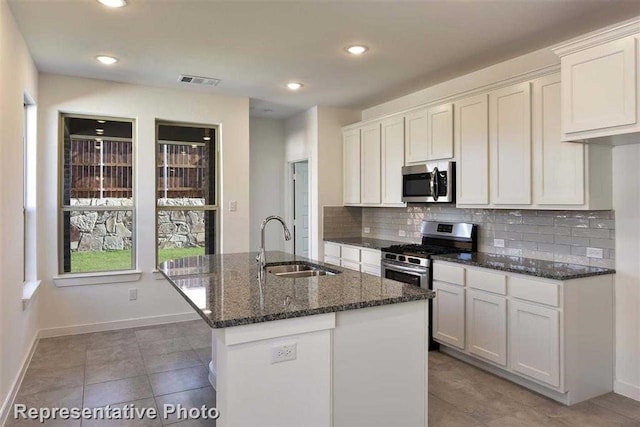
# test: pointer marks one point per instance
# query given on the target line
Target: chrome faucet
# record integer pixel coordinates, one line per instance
(287, 236)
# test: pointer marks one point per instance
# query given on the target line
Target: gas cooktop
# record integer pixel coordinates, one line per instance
(422, 251)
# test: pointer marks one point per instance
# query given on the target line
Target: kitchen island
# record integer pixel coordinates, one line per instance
(343, 349)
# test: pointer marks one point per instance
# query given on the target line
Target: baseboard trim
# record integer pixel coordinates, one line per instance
(117, 324)
(628, 390)
(5, 410)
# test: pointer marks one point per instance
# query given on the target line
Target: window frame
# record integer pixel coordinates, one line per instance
(214, 207)
(62, 208)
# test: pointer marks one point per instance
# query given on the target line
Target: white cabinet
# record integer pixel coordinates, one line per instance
(600, 87)
(535, 342)
(392, 160)
(371, 166)
(487, 326)
(510, 145)
(416, 131)
(472, 142)
(448, 314)
(440, 132)
(351, 166)
(355, 258)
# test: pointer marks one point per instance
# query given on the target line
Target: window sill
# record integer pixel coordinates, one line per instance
(84, 279)
(29, 290)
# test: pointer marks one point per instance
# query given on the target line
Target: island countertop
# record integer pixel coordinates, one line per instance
(225, 290)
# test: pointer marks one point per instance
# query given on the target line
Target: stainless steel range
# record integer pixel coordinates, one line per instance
(411, 263)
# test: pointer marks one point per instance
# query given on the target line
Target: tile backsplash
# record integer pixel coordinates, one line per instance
(550, 235)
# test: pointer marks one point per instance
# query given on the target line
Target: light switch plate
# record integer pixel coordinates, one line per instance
(594, 253)
(233, 206)
(367, 230)
(402, 233)
(133, 294)
(498, 243)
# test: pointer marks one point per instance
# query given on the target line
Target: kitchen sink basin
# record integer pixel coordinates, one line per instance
(296, 270)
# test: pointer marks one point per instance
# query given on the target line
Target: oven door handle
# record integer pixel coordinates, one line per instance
(405, 269)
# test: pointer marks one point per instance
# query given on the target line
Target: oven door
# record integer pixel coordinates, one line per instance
(400, 273)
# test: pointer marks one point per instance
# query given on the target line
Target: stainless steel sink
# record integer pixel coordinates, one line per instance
(295, 270)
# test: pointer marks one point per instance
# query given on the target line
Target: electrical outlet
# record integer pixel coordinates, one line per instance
(366, 230)
(133, 294)
(402, 233)
(498, 243)
(233, 206)
(283, 353)
(594, 253)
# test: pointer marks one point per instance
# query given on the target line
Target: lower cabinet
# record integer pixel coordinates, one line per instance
(487, 326)
(448, 314)
(535, 341)
(353, 257)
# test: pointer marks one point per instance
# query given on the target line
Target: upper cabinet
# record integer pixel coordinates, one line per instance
(370, 177)
(472, 142)
(351, 166)
(429, 134)
(600, 87)
(392, 160)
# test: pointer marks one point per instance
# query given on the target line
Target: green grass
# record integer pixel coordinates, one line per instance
(84, 262)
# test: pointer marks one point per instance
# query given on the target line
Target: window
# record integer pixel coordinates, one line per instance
(29, 191)
(97, 205)
(186, 190)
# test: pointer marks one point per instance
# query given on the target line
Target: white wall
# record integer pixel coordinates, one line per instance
(626, 202)
(18, 327)
(109, 302)
(267, 179)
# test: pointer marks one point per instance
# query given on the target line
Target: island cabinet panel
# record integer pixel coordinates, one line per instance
(440, 132)
(535, 342)
(371, 167)
(392, 160)
(510, 144)
(472, 142)
(351, 167)
(487, 326)
(449, 314)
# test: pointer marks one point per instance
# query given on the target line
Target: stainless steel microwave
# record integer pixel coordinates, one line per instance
(429, 182)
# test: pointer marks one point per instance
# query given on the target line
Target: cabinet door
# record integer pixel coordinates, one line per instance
(371, 165)
(534, 342)
(440, 132)
(392, 160)
(448, 314)
(487, 326)
(351, 166)
(416, 131)
(472, 142)
(558, 167)
(510, 145)
(599, 86)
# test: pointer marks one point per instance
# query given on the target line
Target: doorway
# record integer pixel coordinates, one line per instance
(301, 208)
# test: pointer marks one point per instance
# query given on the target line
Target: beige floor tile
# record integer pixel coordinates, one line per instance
(512, 390)
(118, 391)
(620, 404)
(204, 354)
(58, 357)
(37, 380)
(194, 327)
(113, 354)
(65, 397)
(179, 380)
(188, 399)
(194, 423)
(172, 361)
(136, 421)
(201, 340)
(121, 337)
(444, 414)
(530, 417)
(120, 369)
(67, 342)
(165, 346)
(588, 414)
(159, 332)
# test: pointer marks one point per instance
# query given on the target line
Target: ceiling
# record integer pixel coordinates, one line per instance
(255, 47)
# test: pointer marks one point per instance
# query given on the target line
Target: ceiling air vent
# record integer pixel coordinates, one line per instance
(195, 80)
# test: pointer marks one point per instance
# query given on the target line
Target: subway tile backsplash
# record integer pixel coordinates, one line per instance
(550, 235)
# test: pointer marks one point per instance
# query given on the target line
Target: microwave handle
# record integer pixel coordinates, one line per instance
(433, 184)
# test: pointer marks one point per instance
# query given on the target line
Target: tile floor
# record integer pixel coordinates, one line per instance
(462, 395)
(153, 366)
(148, 366)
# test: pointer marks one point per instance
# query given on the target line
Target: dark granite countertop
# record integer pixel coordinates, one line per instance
(225, 290)
(364, 242)
(528, 266)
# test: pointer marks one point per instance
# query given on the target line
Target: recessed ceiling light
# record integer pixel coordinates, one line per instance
(101, 121)
(207, 138)
(113, 3)
(99, 131)
(106, 60)
(294, 85)
(356, 49)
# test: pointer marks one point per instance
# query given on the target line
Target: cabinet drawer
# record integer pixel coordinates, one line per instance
(448, 273)
(350, 265)
(332, 260)
(332, 250)
(535, 291)
(350, 254)
(486, 281)
(370, 269)
(370, 257)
